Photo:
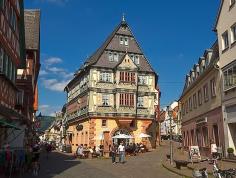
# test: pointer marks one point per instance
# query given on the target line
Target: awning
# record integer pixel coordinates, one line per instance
(4, 124)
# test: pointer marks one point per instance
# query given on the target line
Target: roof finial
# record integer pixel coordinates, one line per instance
(123, 17)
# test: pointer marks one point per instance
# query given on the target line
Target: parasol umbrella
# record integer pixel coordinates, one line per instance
(143, 135)
(123, 136)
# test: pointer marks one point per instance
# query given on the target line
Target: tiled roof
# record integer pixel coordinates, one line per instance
(32, 29)
(214, 58)
(99, 58)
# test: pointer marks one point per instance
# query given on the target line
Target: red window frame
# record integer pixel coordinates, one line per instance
(131, 99)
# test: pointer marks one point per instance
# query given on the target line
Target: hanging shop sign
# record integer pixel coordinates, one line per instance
(79, 127)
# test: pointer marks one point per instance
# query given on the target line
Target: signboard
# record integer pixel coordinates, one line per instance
(79, 127)
(194, 153)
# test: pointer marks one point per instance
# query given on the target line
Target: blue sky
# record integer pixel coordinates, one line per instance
(172, 34)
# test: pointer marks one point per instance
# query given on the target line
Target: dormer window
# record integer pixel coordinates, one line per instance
(113, 56)
(126, 41)
(110, 56)
(132, 57)
(136, 59)
(121, 40)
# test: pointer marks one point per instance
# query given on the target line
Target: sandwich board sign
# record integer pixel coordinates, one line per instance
(194, 153)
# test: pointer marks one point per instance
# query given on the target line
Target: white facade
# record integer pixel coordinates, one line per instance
(165, 125)
(226, 33)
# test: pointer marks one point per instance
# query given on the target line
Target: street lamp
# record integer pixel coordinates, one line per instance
(170, 113)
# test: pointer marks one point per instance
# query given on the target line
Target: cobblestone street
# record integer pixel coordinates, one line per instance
(146, 165)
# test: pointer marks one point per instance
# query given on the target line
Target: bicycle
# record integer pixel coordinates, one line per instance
(217, 173)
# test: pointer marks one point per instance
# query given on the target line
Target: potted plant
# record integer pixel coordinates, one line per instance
(230, 152)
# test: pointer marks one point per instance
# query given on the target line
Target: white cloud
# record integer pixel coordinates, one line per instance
(43, 72)
(56, 69)
(48, 110)
(52, 60)
(54, 84)
(44, 106)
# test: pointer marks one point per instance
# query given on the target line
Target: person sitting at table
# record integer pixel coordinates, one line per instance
(90, 150)
(142, 149)
(80, 151)
(98, 151)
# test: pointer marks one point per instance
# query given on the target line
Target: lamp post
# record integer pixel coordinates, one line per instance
(170, 112)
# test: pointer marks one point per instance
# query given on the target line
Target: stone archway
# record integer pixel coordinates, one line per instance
(121, 130)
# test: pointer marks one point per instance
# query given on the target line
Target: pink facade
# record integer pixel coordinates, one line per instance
(203, 130)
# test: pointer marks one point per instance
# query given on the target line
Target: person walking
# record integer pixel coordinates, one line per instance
(121, 150)
(113, 153)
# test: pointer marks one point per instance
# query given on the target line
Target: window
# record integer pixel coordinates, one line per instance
(121, 40)
(132, 124)
(232, 2)
(205, 90)
(132, 57)
(2, 2)
(110, 56)
(225, 40)
(190, 103)
(183, 109)
(136, 60)
(104, 122)
(105, 100)
(186, 106)
(194, 101)
(205, 136)
(6, 64)
(1, 60)
(142, 80)
(113, 57)
(126, 41)
(199, 97)
(105, 77)
(233, 33)
(127, 77)
(10, 70)
(140, 102)
(213, 88)
(127, 99)
(230, 77)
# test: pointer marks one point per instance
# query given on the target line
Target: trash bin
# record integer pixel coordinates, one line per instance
(68, 149)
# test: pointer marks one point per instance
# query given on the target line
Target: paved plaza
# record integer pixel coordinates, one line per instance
(147, 165)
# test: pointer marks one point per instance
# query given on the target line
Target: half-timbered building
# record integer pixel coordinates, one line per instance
(114, 92)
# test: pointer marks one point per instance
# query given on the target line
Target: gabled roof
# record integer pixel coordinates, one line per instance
(99, 60)
(218, 14)
(100, 57)
(32, 28)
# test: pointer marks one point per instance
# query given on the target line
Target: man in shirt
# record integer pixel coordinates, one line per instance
(121, 150)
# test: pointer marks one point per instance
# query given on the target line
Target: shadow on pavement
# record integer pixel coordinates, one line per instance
(55, 164)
